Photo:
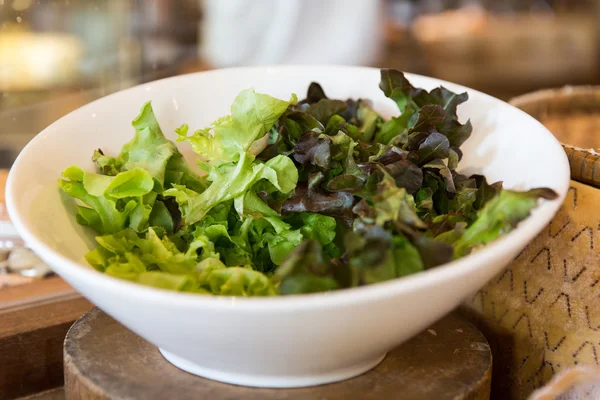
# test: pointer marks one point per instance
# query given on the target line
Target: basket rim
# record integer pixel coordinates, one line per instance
(581, 99)
(571, 95)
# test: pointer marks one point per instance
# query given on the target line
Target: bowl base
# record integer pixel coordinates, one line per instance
(268, 381)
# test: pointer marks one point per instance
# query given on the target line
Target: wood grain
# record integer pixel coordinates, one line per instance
(38, 289)
(52, 394)
(31, 337)
(104, 360)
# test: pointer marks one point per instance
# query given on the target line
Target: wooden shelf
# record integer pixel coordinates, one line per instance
(31, 338)
(38, 290)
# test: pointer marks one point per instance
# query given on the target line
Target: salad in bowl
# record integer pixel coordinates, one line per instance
(295, 196)
(305, 221)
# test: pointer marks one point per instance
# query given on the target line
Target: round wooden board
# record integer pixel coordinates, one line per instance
(104, 360)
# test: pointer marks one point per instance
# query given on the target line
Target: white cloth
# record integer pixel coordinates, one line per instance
(255, 32)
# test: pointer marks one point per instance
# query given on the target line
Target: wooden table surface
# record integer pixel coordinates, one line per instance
(34, 319)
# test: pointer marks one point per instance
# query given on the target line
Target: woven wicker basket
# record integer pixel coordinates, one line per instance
(573, 115)
(542, 314)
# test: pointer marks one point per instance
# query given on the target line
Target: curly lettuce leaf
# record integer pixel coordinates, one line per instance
(407, 257)
(313, 226)
(234, 182)
(152, 250)
(217, 279)
(105, 164)
(210, 278)
(396, 129)
(128, 191)
(259, 236)
(305, 271)
(410, 99)
(499, 216)
(157, 262)
(281, 244)
(111, 200)
(374, 255)
(395, 86)
(314, 93)
(252, 117)
(284, 135)
(324, 109)
(162, 280)
(390, 204)
(313, 149)
(311, 197)
(151, 151)
(368, 121)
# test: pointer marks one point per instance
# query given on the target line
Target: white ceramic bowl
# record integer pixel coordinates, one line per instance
(288, 341)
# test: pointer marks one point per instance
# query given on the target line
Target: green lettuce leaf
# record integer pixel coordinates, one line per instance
(235, 181)
(252, 116)
(313, 226)
(369, 121)
(155, 261)
(130, 186)
(152, 152)
(217, 279)
(396, 129)
(390, 204)
(374, 255)
(305, 271)
(499, 216)
(110, 200)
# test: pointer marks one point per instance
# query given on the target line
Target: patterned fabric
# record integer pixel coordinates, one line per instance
(542, 314)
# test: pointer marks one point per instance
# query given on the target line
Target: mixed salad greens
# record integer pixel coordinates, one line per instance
(297, 196)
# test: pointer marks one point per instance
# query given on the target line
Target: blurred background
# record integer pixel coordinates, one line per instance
(56, 55)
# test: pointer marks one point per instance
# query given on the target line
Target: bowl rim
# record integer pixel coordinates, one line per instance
(526, 230)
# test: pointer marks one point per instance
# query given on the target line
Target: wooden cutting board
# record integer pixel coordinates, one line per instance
(104, 360)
